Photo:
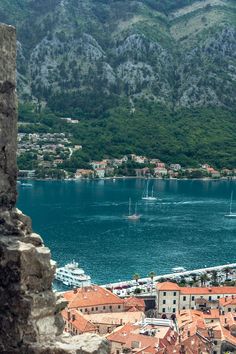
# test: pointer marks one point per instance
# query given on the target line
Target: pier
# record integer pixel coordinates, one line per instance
(171, 276)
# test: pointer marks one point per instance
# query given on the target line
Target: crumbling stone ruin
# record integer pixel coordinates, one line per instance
(30, 320)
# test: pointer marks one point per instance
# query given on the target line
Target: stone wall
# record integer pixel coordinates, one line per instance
(30, 320)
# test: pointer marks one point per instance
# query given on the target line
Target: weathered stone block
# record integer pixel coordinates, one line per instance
(8, 115)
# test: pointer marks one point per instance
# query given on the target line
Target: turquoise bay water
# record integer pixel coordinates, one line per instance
(86, 221)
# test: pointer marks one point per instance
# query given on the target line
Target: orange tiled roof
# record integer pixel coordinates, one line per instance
(191, 322)
(168, 286)
(125, 336)
(78, 321)
(92, 296)
(226, 301)
(134, 302)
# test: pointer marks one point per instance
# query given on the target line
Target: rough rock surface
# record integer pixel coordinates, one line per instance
(30, 320)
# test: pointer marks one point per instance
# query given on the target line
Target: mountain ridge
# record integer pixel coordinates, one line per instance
(100, 60)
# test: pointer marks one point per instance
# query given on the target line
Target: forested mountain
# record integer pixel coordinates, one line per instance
(150, 76)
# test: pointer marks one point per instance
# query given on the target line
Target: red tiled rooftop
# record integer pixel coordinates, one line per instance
(125, 336)
(78, 321)
(168, 286)
(134, 302)
(226, 301)
(92, 296)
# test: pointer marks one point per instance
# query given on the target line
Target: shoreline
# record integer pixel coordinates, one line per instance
(126, 177)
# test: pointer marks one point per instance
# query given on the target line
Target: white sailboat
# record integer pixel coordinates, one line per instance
(134, 216)
(231, 214)
(146, 195)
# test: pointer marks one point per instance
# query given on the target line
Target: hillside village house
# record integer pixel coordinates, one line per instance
(171, 298)
(160, 171)
(99, 164)
(82, 173)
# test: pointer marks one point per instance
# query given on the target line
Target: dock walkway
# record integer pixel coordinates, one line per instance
(186, 273)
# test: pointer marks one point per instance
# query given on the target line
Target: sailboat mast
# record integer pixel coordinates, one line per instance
(231, 202)
(146, 194)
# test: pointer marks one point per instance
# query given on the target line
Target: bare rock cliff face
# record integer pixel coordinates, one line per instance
(30, 320)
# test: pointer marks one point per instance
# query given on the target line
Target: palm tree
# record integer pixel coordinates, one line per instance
(214, 276)
(203, 279)
(136, 277)
(152, 275)
(227, 271)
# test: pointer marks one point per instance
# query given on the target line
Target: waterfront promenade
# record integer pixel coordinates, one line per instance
(144, 283)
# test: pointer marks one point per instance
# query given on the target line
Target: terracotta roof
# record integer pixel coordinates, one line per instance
(226, 301)
(191, 322)
(168, 286)
(78, 321)
(208, 291)
(92, 296)
(134, 302)
(191, 345)
(125, 336)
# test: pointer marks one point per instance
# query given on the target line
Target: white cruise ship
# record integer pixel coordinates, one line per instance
(72, 275)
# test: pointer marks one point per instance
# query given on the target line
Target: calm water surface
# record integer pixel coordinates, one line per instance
(86, 221)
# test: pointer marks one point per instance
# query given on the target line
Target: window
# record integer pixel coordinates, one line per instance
(117, 352)
(209, 298)
(184, 298)
(104, 307)
(86, 310)
(214, 352)
(174, 310)
(218, 297)
(92, 309)
(192, 308)
(118, 306)
(163, 310)
(229, 309)
(110, 307)
(174, 302)
(96, 308)
(164, 301)
(164, 294)
(184, 307)
(193, 298)
(174, 293)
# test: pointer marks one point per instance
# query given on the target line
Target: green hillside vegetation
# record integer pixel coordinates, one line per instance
(151, 130)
